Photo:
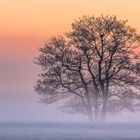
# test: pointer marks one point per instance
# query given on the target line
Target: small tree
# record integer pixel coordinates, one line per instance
(98, 56)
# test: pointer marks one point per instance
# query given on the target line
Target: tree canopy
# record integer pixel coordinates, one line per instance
(89, 64)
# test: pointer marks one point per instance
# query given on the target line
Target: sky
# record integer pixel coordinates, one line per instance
(24, 26)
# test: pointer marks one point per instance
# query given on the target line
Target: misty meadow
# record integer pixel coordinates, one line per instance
(69, 70)
(69, 131)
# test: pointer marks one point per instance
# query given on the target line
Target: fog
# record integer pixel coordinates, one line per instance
(63, 131)
(25, 26)
(18, 100)
(29, 109)
(23, 117)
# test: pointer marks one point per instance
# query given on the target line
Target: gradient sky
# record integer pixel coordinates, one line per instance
(25, 25)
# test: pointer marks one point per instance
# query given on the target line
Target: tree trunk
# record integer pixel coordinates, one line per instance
(90, 115)
(89, 110)
(104, 109)
(96, 110)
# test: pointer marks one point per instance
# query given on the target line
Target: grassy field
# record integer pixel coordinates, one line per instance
(67, 131)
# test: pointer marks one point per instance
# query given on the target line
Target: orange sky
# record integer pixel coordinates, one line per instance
(39, 19)
(31, 22)
(42, 18)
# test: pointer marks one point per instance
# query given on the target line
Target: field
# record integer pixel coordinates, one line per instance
(67, 131)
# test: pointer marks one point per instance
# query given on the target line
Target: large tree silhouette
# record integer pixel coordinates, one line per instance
(96, 58)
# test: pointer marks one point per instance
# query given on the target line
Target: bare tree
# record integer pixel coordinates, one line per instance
(98, 55)
(109, 46)
(62, 75)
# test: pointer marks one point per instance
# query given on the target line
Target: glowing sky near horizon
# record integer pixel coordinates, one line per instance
(25, 25)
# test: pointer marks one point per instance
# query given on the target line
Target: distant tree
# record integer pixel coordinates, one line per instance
(98, 56)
